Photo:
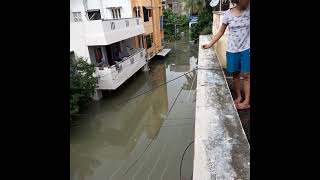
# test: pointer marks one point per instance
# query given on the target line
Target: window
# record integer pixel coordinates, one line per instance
(94, 15)
(149, 41)
(150, 12)
(116, 13)
(98, 55)
(145, 14)
(113, 26)
(119, 13)
(161, 23)
(77, 16)
(113, 14)
(136, 11)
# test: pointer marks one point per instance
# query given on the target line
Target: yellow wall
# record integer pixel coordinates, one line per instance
(221, 46)
(153, 25)
(146, 3)
(148, 26)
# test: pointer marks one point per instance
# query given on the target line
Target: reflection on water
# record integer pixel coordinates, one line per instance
(126, 136)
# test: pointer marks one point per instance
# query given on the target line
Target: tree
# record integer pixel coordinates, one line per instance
(204, 25)
(199, 6)
(196, 6)
(82, 83)
(171, 21)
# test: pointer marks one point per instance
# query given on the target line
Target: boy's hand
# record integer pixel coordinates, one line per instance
(206, 46)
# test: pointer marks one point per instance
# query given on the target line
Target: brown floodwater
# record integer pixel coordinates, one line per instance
(141, 130)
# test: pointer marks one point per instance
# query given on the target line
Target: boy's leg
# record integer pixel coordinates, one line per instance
(236, 81)
(245, 72)
(233, 66)
(246, 77)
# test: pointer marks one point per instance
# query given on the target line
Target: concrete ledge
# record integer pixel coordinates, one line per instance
(221, 149)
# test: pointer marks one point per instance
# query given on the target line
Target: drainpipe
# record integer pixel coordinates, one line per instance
(154, 34)
(137, 10)
(102, 10)
(85, 5)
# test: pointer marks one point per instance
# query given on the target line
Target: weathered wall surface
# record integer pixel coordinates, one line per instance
(221, 149)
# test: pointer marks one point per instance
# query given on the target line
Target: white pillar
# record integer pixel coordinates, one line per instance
(97, 95)
(140, 41)
(104, 54)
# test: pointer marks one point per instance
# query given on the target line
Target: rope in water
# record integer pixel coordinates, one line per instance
(183, 157)
(125, 101)
(153, 137)
(197, 68)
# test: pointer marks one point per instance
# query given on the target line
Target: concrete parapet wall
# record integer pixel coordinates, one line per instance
(221, 149)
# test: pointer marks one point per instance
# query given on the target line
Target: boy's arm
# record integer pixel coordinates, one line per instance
(216, 37)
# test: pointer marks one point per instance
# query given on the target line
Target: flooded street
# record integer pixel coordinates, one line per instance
(141, 130)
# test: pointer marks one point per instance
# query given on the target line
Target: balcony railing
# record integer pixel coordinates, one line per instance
(131, 57)
(113, 76)
(117, 24)
(105, 32)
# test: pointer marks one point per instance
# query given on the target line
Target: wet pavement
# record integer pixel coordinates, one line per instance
(143, 129)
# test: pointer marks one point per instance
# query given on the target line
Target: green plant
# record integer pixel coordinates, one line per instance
(196, 6)
(204, 25)
(82, 83)
(183, 23)
(171, 22)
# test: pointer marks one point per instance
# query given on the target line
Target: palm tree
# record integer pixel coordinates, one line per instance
(198, 6)
(195, 6)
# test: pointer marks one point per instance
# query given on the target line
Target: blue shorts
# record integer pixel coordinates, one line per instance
(238, 62)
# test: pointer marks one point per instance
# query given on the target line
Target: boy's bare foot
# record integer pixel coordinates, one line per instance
(243, 105)
(238, 100)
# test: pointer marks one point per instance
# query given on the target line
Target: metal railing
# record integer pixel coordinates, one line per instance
(125, 23)
(131, 57)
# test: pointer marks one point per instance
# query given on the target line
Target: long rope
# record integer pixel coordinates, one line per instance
(125, 101)
(191, 88)
(153, 137)
(185, 150)
(197, 68)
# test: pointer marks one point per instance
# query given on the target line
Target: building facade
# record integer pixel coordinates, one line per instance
(178, 6)
(150, 11)
(107, 35)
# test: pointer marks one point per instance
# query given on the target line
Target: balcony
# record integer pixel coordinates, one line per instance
(105, 32)
(112, 77)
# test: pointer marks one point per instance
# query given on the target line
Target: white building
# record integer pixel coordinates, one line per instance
(104, 32)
